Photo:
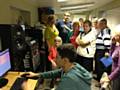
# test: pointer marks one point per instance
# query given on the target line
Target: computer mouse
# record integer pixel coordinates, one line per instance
(3, 82)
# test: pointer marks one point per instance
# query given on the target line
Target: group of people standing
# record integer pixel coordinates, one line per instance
(91, 43)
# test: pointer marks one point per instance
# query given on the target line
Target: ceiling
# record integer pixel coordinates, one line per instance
(82, 5)
(115, 11)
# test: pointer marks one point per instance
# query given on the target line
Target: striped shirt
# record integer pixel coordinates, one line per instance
(103, 41)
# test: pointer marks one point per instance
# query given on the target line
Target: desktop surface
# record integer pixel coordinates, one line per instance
(12, 76)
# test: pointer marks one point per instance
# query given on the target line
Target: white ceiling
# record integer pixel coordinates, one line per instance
(56, 5)
(115, 11)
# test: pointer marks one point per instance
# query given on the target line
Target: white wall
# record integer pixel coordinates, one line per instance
(113, 17)
(26, 5)
(76, 17)
(111, 11)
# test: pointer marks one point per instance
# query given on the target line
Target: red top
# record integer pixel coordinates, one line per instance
(53, 53)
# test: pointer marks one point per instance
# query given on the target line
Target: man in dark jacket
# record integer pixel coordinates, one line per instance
(64, 27)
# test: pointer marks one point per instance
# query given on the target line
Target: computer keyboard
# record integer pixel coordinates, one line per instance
(18, 83)
(39, 84)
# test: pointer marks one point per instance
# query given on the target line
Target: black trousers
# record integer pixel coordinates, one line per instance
(99, 66)
(87, 63)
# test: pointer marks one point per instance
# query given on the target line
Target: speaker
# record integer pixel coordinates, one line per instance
(46, 11)
(13, 37)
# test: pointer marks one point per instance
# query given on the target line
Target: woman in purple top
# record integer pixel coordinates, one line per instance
(115, 74)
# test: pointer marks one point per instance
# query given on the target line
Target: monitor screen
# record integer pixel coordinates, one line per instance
(4, 62)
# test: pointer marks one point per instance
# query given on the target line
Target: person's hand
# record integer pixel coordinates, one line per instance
(107, 54)
(30, 74)
(54, 65)
(81, 43)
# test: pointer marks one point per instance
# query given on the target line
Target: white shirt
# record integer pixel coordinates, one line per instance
(89, 50)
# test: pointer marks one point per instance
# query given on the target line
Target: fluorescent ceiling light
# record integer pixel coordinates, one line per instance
(77, 11)
(61, 0)
(76, 7)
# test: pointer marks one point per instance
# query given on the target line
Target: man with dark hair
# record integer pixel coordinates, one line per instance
(73, 76)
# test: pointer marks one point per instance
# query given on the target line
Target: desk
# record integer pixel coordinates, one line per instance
(11, 76)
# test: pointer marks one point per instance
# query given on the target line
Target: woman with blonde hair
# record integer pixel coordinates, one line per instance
(51, 33)
(53, 51)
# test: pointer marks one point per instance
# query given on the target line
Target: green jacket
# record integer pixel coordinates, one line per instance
(76, 78)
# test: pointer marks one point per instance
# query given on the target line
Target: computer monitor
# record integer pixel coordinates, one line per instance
(4, 62)
(4, 66)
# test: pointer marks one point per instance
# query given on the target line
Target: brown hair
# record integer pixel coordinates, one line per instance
(88, 22)
(50, 18)
(76, 23)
